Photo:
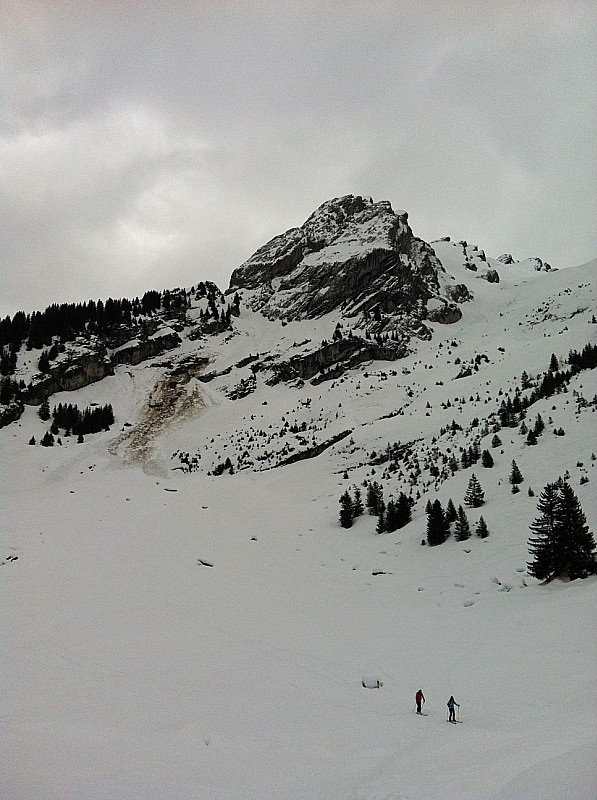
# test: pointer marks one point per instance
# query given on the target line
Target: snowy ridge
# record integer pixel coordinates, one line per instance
(172, 630)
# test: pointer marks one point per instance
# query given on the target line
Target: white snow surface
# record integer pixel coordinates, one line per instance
(181, 636)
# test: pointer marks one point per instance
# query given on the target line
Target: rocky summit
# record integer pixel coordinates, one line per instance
(351, 254)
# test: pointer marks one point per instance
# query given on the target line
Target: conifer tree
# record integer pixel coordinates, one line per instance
(44, 410)
(481, 529)
(450, 512)
(562, 546)
(496, 441)
(391, 517)
(462, 529)
(374, 498)
(515, 474)
(381, 519)
(474, 495)
(438, 529)
(486, 459)
(357, 506)
(403, 510)
(346, 510)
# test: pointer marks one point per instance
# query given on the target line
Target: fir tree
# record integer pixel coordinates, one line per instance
(403, 510)
(562, 546)
(438, 528)
(486, 459)
(462, 529)
(357, 506)
(374, 498)
(450, 512)
(481, 529)
(381, 519)
(496, 441)
(391, 517)
(44, 410)
(554, 365)
(515, 474)
(474, 495)
(539, 425)
(346, 510)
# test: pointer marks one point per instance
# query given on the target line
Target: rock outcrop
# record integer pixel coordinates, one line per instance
(351, 254)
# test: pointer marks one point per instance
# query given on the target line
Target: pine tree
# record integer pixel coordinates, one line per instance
(403, 510)
(391, 518)
(381, 519)
(374, 498)
(44, 410)
(346, 510)
(474, 495)
(515, 475)
(553, 364)
(450, 512)
(562, 546)
(496, 441)
(531, 438)
(486, 459)
(438, 528)
(462, 529)
(481, 529)
(357, 506)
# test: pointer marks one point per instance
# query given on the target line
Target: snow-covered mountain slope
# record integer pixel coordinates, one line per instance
(171, 632)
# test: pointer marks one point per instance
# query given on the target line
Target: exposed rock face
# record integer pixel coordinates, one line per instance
(351, 253)
(88, 360)
(140, 350)
(330, 360)
(82, 363)
(506, 258)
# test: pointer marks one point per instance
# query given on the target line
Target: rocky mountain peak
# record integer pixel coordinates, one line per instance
(351, 253)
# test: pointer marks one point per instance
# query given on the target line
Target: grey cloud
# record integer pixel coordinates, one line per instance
(146, 146)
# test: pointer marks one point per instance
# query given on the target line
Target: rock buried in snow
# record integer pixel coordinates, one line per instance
(371, 683)
(204, 563)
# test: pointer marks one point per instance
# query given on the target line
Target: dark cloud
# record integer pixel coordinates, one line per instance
(149, 145)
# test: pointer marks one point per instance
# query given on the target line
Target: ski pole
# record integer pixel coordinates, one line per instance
(413, 711)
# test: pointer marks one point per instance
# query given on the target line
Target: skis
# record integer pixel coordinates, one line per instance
(454, 721)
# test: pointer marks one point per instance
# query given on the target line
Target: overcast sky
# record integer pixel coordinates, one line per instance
(153, 144)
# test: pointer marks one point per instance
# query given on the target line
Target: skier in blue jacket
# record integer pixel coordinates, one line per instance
(451, 703)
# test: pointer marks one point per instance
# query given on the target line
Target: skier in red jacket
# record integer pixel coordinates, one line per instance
(419, 699)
